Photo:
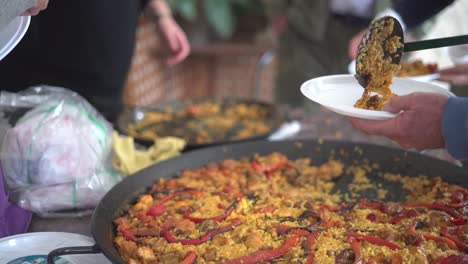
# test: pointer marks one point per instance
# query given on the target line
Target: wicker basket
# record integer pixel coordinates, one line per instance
(221, 70)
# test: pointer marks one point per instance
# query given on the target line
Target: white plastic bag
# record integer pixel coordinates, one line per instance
(55, 155)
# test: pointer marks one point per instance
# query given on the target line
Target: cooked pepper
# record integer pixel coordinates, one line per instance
(326, 219)
(267, 254)
(458, 205)
(218, 218)
(268, 209)
(364, 203)
(308, 243)
(128, 234)
(457, 196)
(340, 208)
(445, 240)
(171, 239)
(461, 246)
(268, 169)
(459, 259)
(158, 208)
(371, 217)
(356, 248)
(457, 218)
(374, 240)
(406, 214)
(418, 237)
(189, 258)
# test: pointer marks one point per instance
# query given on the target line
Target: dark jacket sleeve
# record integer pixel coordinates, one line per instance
(415, 12)
(455, 127)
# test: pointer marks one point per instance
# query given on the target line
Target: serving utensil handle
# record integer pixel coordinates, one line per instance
(435, 43)
(72, 251)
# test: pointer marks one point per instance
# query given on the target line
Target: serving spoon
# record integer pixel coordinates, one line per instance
(404, 47)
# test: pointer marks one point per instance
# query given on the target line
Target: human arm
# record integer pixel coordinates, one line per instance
(455, 127)
(40, 5)
(172, 33)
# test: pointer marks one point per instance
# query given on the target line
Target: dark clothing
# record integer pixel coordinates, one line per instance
(83, 45)
(313, 45)
(415, 12)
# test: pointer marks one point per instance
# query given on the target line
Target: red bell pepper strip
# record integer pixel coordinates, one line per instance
(356, 248)
(457, 218)
(218, 218)
(196, 241)
(268, 169)
(189, 258)
(267, 254)
(374, 240)
(458, 205)
(158, 208)
(128, 234)
(445, 240)
(412, 231)
(459, 259)
(461, 246)
(371, 217)
(299, 232)
(268, 209)
(364, 203)
(406, 214)
(142, 216)
(334, 208)
(309, 242)
(457, 196)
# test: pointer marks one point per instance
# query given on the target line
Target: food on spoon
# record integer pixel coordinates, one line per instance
(376, 65)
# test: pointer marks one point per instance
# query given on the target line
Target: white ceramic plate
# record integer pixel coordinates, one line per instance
(34, 247)
(339, 93)
(11, 34)
(421, 78)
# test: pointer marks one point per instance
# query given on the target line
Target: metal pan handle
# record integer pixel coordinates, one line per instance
(72, 251)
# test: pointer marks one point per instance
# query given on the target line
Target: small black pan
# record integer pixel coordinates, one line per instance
(273, 118)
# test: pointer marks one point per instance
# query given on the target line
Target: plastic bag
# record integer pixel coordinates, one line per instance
(55, 152)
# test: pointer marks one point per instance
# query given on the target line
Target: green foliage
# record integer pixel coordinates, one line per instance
(220, 14)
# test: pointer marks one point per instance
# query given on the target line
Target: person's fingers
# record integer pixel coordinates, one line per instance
(43, 4)
(183, 51)
(456, 79)
(31, 12)
(354, 44)
(172, 41)
(398, 104)
(40, 5)
(460, 69)
(352, 48)
(373, 127)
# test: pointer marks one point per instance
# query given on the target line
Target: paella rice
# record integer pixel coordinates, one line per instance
(376, 65)
(205, 122)
(270, 209)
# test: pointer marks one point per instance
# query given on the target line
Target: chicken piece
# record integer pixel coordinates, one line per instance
(145, 253)
(254, 241)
